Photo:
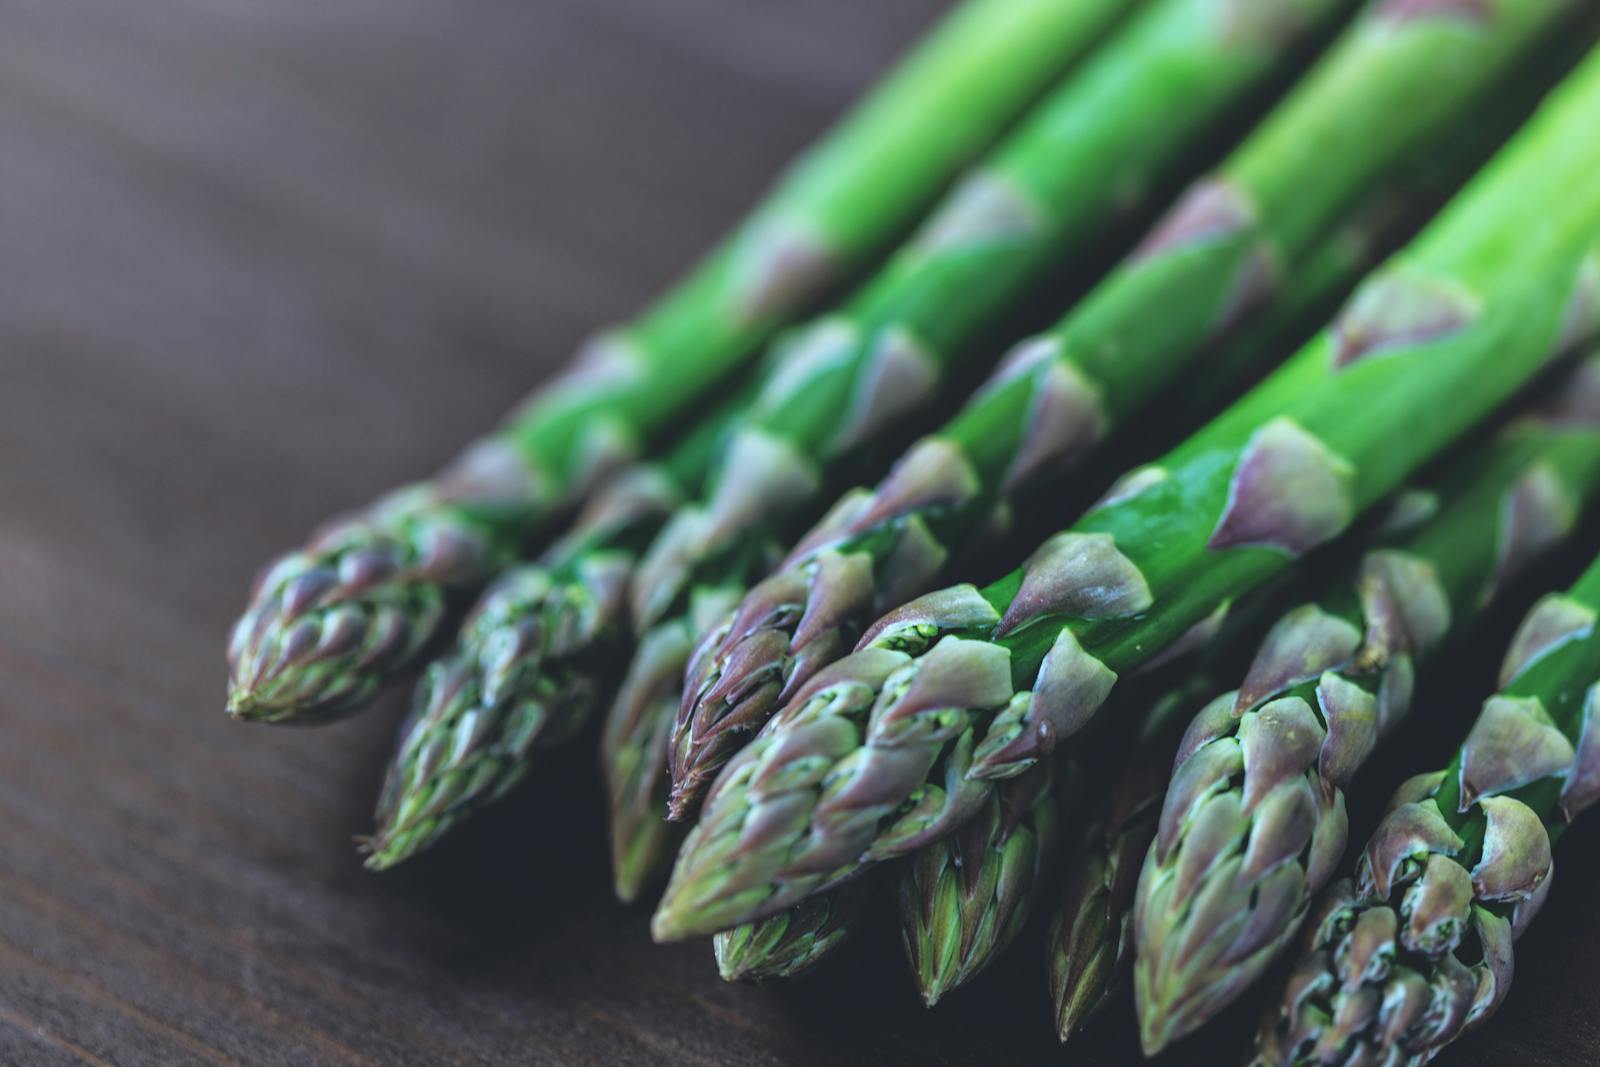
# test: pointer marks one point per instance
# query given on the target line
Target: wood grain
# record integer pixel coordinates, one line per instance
(258, 261)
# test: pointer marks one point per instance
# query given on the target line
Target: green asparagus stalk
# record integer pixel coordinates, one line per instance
(1091, 939)
(1131, 120)
(793, 942)
(965, 898)
(1398, 89)
(1290, 318)
(1091, 934)
(1418, 949)
(522, 676)
(328, 624)
(896, 744)
(633, 750)
(1254, 818)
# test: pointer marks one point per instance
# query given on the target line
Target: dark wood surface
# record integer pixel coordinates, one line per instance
(258, 260)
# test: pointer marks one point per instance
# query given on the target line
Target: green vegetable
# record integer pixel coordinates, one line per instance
(521, 678)
(1253, 822)
(1418, 949)
(794, 942)
(895, 745)
(1133, 119)
(965, 898)
(1392, 96)
(330, 623)
(1090, 944)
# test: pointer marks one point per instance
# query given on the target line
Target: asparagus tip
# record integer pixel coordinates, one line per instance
(1076, 1007)
(627, 883)
(666, 927)
(246, 704)
(378, 851)
(1159, 1025)
(681, 801)
(241, 705)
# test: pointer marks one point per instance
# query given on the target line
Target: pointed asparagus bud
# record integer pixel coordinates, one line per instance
(1554, 622)
(964, 898)
(1077, 574)
(328, 625)
(850, 773)
(1091, 935)
(1386, 977)
(811, 610)
(1300, 646)
(1253, 822)
(633, 749)
(1225, 882)
(1514, 742)
(1418, 949)
(746, 668)
(518, 681)
(793, 942)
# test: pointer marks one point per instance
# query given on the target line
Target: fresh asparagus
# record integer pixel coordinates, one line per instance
(328, 624)
(1393, 93)
(1418, 949)
(1254, 818)
(793, 942)
(1324, 279)
(897, 744)
(521, 677)
(1132, 119)
(633, 751)
(965, 898)
(1091, 934)
(1128, 122)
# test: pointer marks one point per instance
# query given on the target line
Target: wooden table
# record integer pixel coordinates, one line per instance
(258, 260)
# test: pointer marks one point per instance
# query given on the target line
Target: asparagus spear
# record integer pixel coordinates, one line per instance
(964, 899)
(881, 751)
(521, 677)
(1396, 90)
(1130, 120)
(633, 751)
(1134, 115)
(1317, 287)
(328, 624)
(1418, 949)
(1091, 935)
(1254, 818)
(1091, 938)
(793, 942)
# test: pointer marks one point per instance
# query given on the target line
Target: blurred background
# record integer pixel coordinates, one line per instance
(258, 261)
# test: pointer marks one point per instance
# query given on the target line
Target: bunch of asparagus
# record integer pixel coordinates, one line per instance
(1369, 233)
